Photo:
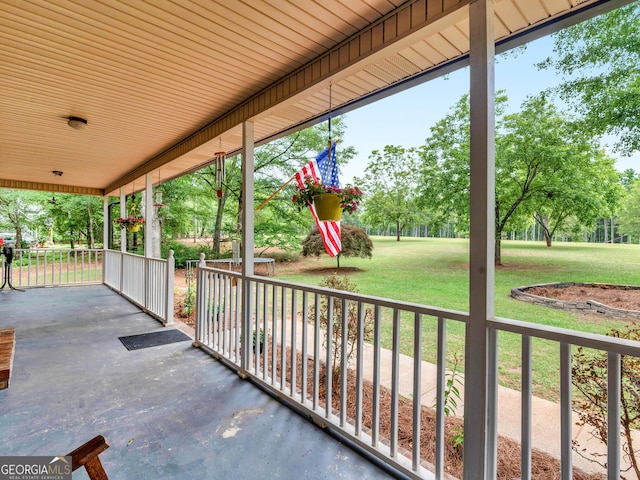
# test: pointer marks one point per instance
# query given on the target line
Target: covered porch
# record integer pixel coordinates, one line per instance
(147, 86)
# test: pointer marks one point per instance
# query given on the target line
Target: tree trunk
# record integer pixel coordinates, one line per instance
(605, 224)
(497, 257)
(90, 239)
(547, 238)
(613, 230)
(397, 231)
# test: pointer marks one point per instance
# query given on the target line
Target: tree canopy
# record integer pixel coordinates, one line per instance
(390, 182)
(600, 65)
(545, 168)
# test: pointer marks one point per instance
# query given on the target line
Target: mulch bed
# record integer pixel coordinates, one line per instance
(544, 466)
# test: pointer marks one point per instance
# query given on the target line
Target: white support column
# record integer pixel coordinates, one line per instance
(171, 263)
(123, 214)
(482, 237)
(148, 215)
(247, 237)
(105, 234)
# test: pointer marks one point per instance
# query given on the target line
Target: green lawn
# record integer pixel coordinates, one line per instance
(435, 272)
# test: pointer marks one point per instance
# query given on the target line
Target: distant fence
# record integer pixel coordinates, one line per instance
(41, 267)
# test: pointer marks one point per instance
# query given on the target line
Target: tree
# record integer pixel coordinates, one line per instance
(629, 217)
(544, 166)
(390, 183)
(600, 58)
(355, 243)
(21, 210)
(549, 168)
(76, 217)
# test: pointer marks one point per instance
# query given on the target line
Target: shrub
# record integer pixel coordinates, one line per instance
(589, 376)
(182, 252)
(342, 283)
(355, 243)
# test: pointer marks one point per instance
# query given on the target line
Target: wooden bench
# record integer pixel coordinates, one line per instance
(87, 456)
(7, 344)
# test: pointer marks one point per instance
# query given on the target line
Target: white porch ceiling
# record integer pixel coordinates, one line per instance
(162, 83)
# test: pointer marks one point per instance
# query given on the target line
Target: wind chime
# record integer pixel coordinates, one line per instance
(219, 159)
(158, 194)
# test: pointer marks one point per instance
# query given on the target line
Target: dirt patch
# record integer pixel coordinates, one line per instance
(331, 271)
(610, 295)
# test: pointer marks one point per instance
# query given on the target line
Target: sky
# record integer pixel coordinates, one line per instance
(404, 119)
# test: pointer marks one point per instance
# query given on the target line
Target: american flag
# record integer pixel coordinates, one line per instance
(324, 169)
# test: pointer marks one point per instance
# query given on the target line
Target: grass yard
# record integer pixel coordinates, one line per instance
(435, 272)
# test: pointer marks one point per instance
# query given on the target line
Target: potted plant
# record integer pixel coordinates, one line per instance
(131, 223)
(258, 340)
(329, 201)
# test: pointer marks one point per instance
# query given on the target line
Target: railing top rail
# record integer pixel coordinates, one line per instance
(583, 339)
(48, 249)
(356, 297)
(135, 255)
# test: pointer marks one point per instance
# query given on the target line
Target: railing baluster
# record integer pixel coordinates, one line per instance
(565, 412)
(375, 412)
(237, 316)
(283, 338)
(316, 351)
(255, 341)
(440, 399)
(274, 329)
(417, 390)
(329, 360)
(294, 340)
(265, 329)
(305, 339)
(614, 372)
(395, 376)
(526, 415)
(492, 404)
(359, 369)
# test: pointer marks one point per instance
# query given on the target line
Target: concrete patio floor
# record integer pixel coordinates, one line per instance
(168, 412)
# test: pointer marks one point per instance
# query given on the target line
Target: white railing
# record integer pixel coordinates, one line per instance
(148, 282)
(289, 316)
(566, 339)
(39, 267)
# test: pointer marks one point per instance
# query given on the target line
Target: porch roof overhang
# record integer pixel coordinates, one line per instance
(165, 85)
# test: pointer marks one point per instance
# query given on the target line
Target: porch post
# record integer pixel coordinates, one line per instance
(105, 233)
(482, 238)
(148, 227)
(148, 215)
(123, 236)
(123, 214)
(247, 238)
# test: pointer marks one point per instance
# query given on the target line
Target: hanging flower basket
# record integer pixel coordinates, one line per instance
(329, 202)
(328, 207)
(131, 223)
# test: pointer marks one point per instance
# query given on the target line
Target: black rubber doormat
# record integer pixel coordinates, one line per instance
(153, 339)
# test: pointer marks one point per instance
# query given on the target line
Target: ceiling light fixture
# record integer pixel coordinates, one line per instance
(77, 123)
